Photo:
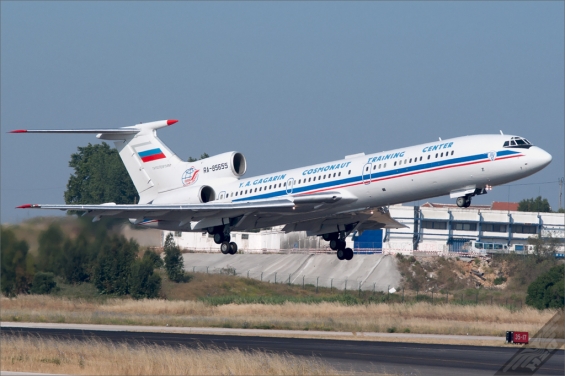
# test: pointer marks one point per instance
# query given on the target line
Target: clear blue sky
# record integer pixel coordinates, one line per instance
(286, 83)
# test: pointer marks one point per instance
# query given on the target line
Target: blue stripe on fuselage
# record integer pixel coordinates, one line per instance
(378, 175)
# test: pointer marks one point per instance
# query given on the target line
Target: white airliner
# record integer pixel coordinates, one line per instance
(329, 199)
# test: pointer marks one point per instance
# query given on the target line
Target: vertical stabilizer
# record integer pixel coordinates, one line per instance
(148, 160)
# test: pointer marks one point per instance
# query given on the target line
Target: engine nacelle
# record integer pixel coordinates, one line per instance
(189, 195)
(226, 165)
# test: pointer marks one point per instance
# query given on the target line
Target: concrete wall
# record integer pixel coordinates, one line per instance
(369, 272)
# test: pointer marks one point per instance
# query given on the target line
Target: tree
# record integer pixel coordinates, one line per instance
(547, 291)
(111, 272)
(153, 258)
(144, 283)
(99, 177)
(537, 204)
(78, 258)
(43, 283)
(50, 257)
(202, 156)
(17, 265)
(544, 247)
(174, 263)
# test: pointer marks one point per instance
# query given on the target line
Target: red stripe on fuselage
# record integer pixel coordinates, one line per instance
(412, 173)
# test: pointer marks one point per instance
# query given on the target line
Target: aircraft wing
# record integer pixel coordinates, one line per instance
(172, 211)
(365, 219)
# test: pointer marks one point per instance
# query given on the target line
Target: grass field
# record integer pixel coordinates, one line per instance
(414, 318)
(102, 358)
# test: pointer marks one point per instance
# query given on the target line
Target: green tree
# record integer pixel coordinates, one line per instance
(153, 258)
(43, 283)
(78, 259)
(50, 257)
(202, 156)
(537, 204)
(16, 264)
(144, 283)
(112, 267)
(174, 264)
(99, 176)
(547, 291)
(544, 247)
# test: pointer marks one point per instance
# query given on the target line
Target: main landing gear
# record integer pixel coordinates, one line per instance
(222, 237)
(337, 243)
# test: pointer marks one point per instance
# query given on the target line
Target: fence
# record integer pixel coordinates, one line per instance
(369, 291)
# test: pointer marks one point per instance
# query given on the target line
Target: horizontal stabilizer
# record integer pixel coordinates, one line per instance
(119, 131)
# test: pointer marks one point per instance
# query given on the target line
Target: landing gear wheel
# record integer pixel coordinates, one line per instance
(467, 202)
(348, 253)
(233, 248)
(330, 236)
(218, 238)
(341, 254)
(463, 201)
(225, 248)
(334, 245)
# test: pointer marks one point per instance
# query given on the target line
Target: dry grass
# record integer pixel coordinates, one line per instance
(103, 358)
(417, 318)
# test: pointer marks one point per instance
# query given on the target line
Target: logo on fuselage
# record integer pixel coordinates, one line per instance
(492, 155)
(190, 176)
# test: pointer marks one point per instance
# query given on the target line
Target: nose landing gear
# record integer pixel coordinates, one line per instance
(463, 202)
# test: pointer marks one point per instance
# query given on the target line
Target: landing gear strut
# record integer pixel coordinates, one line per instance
(337, 243)
(222, 237)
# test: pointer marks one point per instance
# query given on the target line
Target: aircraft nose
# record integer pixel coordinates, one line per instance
(541, 157)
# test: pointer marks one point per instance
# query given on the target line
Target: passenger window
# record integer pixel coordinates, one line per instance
(255, 189)
(334, 174)
(384, 165)
(260, 189)
(380, 165)
(405, 161)
(367, 168)
(270, 186)
(395, 163)
(442, 154)
(420, 158)
(436, 155)
(236, 193)
(309, 180)
(246, 191)
(429, 155)
(320, 177)
(410, 160)
(451, 152)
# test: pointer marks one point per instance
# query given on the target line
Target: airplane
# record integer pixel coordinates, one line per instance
(331, 199)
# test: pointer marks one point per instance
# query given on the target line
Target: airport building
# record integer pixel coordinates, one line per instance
(430, 228)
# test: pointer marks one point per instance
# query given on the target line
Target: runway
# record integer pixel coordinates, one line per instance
(356, 356)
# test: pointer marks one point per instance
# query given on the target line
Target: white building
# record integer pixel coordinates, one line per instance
(430, 228)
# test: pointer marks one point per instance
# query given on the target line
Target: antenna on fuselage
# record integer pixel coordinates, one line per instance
(440, 138)
(501, 133)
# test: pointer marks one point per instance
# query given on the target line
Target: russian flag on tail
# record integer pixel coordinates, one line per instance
(151, 155)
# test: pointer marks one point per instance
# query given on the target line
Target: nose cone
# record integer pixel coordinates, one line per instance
(540, 158)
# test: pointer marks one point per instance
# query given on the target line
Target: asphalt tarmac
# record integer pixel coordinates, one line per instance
(356, 356)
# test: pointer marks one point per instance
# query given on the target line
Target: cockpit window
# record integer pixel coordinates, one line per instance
(517, 142)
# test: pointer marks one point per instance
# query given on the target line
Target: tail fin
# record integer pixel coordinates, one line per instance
(150, 164)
